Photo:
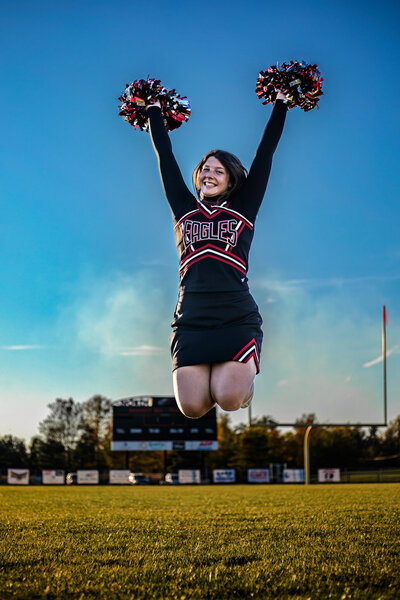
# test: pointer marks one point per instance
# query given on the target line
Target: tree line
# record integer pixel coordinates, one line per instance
(78, 436)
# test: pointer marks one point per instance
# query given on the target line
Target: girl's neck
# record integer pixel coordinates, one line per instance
(210, 200)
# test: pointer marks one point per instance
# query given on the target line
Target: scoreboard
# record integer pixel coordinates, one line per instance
(156, 423)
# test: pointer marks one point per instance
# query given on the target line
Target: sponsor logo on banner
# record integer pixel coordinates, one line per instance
(202, 445)
(293, 475)
(258, 475)
(189, 476)
(224, 475)
(329, 475)
(146, 445)
(89, 476)
(119, 476)
(18, 476)
(53, 477)
(178, 445)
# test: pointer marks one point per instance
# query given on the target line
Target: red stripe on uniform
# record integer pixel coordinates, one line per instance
(228, 262)
(216, 253)
(253, 354)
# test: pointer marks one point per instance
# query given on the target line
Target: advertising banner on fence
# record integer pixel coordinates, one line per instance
(224, 475)
(329, 475)
(258, 475)
(155, 446)
(189, 476)
(87, 476)
(53, 477)
(18, 476)
(293, 475)
(119, 476)
(201, 445)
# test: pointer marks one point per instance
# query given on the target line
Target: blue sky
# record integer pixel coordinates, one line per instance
(88, 262)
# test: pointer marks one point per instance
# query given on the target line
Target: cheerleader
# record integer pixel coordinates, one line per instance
(216, 329)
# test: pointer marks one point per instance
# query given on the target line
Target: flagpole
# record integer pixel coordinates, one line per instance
(384, 323)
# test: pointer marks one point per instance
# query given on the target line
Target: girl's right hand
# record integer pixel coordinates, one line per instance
(156, 103)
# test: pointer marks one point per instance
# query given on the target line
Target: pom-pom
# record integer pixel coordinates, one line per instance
(300, 82)
(139, 94)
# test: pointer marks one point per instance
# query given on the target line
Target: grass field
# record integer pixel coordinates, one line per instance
(333, 541)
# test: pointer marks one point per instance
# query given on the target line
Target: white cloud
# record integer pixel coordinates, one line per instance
(23, 347)
(118, 327)
(121, 315)
(141, 351)
(395, 350)
(289, 285)
(282, 382)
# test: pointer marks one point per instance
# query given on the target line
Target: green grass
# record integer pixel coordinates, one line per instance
(332, 541)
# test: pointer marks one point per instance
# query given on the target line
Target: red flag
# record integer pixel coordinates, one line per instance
(385, 315)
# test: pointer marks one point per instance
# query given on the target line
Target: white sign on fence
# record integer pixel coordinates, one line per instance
(329, 475)
(18, 476)
(53, 477)
(224, 475)
(201, 445)
(258, 475)
(119, 476)
(146, 446)
(189, 475)
(293, 475)
(87, 476)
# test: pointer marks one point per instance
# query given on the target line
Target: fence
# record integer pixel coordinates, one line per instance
(346, 476)
(378, 476)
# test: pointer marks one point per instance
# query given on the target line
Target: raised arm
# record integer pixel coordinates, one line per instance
(256, 182)
(175, 189)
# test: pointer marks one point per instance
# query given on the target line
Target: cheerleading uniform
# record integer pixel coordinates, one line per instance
(216, 319)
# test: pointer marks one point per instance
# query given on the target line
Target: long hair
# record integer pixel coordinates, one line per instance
(236, 171)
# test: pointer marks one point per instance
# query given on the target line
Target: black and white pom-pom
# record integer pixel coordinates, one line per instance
(300, 82)
(175, 108)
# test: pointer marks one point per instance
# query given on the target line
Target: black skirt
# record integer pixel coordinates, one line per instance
(215, 327)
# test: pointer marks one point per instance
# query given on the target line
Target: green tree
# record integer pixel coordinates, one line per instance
(62, 426)
(391, 438)
(342, 447)
(13, 453)
(94, 428)
(46, 454)
(253, 450)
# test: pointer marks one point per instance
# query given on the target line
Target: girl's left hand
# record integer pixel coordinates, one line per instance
(155, 103)
(281, 96)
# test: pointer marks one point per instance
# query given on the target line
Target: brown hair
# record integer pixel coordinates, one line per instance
(236, 171)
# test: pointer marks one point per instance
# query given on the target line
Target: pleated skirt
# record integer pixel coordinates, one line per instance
(212, 327)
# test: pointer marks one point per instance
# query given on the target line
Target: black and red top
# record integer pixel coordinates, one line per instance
(213, 239)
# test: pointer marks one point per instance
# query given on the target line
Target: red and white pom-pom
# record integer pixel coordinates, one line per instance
(300, 82)
(142, 92)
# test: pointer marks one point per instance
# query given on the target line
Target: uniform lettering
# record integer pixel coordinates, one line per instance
(221, 231)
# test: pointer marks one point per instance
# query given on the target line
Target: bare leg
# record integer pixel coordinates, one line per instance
(192, 390)
(232, 383)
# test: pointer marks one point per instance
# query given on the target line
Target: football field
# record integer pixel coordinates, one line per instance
(177, 542)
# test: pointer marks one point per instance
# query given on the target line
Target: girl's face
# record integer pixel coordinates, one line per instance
(213, 179)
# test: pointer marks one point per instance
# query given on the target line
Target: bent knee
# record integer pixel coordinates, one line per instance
(191, 410)
(229, 401)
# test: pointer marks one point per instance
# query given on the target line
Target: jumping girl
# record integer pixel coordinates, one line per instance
(217, 337)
